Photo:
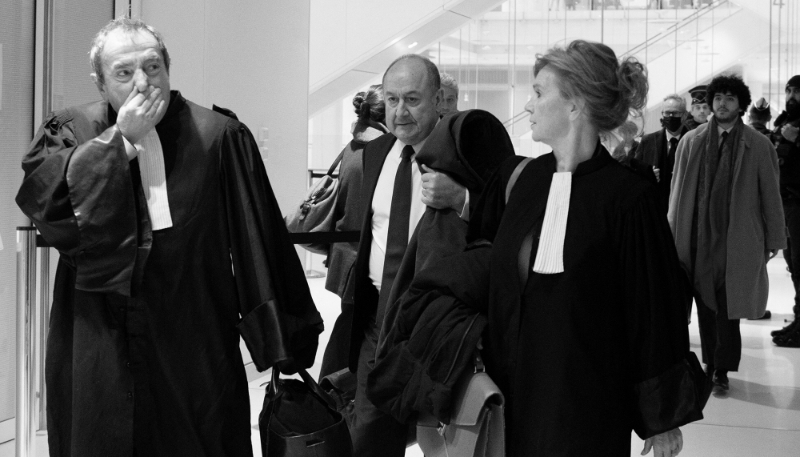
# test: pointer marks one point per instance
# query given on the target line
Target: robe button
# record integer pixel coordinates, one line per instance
(128, 364)
(130, 395)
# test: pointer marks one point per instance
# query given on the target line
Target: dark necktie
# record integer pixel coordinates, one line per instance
(397, 240)
(722, 139)
(673, 145)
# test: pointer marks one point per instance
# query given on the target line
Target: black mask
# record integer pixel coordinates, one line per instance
(671, 123)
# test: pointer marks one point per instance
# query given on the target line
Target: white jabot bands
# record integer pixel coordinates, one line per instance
(154, 180)
(550, 253)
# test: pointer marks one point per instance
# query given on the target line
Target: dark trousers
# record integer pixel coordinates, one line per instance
(791, 209)
(720, 338)
(374, 432)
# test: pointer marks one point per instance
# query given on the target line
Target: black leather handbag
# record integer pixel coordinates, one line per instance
(300, 420)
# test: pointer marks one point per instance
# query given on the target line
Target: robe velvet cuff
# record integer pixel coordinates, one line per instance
(671, 399)
(101, 193)
(272, 336)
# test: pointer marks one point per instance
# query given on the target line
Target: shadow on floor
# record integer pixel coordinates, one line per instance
(778, 397)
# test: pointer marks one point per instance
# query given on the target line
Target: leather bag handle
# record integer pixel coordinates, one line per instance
(312, 385)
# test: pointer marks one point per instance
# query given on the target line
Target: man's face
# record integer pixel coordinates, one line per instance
(672, 109)
(726, 107)
(131, 61)
(410, 102)
(700, 112)
(449, 103)
(792, 96)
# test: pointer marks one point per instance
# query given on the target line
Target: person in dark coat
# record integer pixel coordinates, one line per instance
(786, 138)
(421, 339)
(396, 191)
(153, 203)
(348, 216)
(658, 148)
(586, 335)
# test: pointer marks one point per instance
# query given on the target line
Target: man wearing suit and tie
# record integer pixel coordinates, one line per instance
(398, 192)
(658, 148)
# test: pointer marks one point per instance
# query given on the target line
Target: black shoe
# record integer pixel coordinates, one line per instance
(721, 380)
(788, 340)
(785, 330)
(767, 315)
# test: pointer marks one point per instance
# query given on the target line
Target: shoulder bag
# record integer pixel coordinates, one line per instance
(477, 424)
(315, 213)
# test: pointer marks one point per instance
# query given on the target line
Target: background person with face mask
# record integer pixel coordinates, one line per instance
(658, 148)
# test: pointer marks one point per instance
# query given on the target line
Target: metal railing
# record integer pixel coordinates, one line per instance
(32, 320)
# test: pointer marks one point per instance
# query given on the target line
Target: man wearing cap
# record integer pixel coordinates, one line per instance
(658, 148)
(700, 110)
(726, 217)
(787, 141)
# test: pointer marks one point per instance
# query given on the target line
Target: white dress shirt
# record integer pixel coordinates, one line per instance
(382, 203)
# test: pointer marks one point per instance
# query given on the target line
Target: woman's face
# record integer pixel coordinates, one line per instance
(549, 109)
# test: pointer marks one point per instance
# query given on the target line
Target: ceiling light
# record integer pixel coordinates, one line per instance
(412, 45)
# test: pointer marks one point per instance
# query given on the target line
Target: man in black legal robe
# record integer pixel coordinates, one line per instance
(172, 246)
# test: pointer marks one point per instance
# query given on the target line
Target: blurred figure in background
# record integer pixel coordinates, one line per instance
(787, 141)
(622, 146)
(449, 103)
(348, 215)
(760, 115)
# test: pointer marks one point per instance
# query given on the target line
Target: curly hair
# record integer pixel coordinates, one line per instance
(369, 105)
(127, 25)
(613, 90)
(729, 84)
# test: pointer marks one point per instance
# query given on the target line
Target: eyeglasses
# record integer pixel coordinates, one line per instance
(672, 113)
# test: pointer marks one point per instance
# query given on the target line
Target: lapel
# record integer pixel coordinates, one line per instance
(744, 146)
(374, 155)
(663, 148)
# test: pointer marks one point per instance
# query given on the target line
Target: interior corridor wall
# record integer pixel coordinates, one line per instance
(250, 56)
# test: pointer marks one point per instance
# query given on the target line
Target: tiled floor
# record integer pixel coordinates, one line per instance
(759, 417)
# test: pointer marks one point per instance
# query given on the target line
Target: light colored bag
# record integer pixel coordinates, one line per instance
(477, 424)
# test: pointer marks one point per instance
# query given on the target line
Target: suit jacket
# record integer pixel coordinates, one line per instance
(756, 216)
(365, 295)
(653, 150)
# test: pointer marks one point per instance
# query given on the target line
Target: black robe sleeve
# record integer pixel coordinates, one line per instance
(279, 320)
(78, 193)
(669, 384)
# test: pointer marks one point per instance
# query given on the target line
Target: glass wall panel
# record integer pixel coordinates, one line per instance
(683, 43)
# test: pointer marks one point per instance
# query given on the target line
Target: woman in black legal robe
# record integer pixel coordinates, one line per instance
(587, 334)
